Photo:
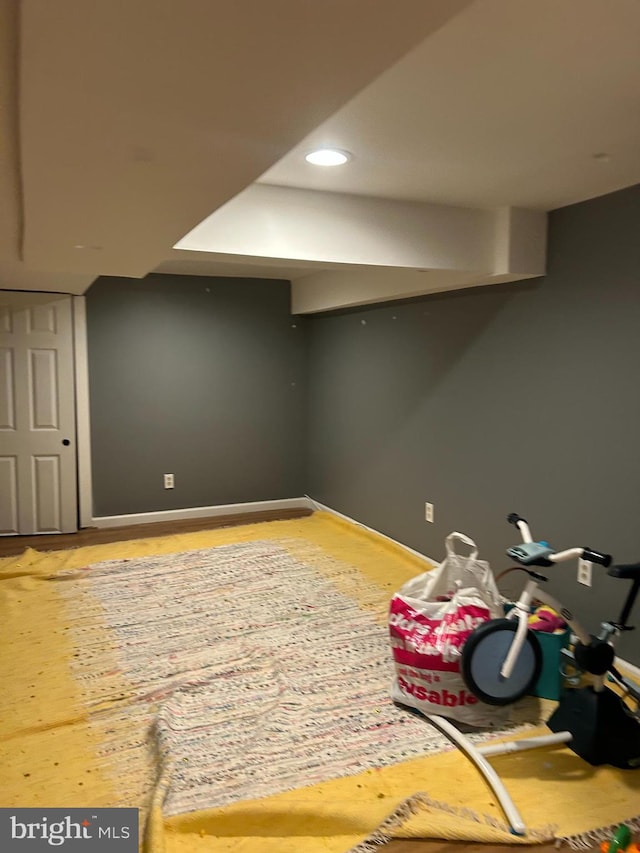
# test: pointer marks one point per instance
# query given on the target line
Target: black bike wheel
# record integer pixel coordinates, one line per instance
(484, 653)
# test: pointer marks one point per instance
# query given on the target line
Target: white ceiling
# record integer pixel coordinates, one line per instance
(125, 123)
(506, 104)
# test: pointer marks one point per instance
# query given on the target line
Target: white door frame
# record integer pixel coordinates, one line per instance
(83, 423)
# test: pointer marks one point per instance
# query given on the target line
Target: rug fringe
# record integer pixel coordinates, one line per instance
(414, 804)
(591, 839)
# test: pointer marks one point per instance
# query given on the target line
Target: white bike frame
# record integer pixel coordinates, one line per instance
(522, 609)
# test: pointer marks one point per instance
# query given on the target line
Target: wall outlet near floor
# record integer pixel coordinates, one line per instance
(168, 481)
(428, 512)
(584, 571)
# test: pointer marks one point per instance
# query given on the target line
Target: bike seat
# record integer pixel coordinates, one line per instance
(631, 571)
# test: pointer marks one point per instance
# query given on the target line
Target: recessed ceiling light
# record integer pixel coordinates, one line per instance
(328, 157)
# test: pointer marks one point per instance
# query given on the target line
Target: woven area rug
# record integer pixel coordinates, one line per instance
(233, 685)
(260, 666)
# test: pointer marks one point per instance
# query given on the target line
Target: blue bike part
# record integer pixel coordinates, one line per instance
(531, 553)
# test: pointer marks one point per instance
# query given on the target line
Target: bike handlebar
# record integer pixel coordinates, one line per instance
(596, 557)
(541, 553)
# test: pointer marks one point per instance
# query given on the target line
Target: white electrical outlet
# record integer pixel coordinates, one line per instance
(428, 512)
(168, 481)
(584, 572)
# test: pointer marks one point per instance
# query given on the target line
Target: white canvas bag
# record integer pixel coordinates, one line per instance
(429, 620)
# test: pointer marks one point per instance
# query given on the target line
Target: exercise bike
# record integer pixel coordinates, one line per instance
(502, 660)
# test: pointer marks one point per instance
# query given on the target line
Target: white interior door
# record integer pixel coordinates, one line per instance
(38, 487)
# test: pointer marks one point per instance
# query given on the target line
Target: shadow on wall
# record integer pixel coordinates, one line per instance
(399, 347)
(385, 382)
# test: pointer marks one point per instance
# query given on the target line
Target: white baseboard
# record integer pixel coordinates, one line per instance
(322, 508)
(630, 669)
(199, 512)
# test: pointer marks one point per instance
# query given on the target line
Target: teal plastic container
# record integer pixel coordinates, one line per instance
(550, 682)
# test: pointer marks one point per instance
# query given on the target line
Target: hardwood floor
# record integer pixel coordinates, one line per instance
(14, 545)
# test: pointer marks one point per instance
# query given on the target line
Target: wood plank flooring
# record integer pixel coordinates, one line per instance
(14, 545)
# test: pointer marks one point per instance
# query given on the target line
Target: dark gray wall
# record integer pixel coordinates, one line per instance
(203, 378)
(521, 397)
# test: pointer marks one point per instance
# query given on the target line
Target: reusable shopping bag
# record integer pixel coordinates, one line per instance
(430, 618)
